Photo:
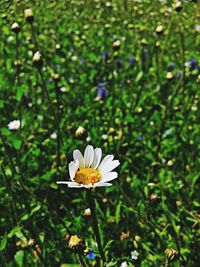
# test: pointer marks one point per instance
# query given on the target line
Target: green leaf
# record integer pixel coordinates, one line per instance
(139, 76)
(16, 142)
(117, 213)
(35, 209)
(5, 132)
(13, 231)
(3, 243)
(19, 258)
(19, 93)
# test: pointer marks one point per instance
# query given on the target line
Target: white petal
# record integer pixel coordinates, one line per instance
(106, 161)
(70, 184)
(73, 167)
(75, 185)
(97, 158)
(99, 184)
(109, 167)
(109, 177)
(78, 155)
(71, 170)
(88, 156)
(89, 186)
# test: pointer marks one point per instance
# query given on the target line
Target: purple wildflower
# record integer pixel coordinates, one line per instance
(171, 67)
(91, 255)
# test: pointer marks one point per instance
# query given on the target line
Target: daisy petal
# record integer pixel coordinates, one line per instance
(78, 156)
(72, 170)
(88, 156)
(75, 185)
(97, 158)
(109, 167)
(102, 184)
(106, 161)
(70, 184)
(109, 177)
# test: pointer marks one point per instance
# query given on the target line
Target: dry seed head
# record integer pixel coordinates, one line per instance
(171, 254)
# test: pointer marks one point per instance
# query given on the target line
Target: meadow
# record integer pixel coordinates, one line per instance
(122, 76)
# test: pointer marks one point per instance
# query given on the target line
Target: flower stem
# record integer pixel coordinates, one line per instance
(95, 224)
(166, 263)
(81, 261)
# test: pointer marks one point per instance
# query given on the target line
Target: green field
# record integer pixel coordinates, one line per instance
(122, 76)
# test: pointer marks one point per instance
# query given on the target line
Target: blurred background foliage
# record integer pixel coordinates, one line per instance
(138, 100)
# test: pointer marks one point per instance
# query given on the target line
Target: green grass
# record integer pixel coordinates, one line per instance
(151, 123)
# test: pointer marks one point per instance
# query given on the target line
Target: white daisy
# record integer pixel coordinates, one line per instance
(87, 171)
(14, 125)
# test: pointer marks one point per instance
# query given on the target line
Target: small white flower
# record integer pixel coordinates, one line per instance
(53, 135)
(197, 28)
(104, 136)
(89, 171)
(134, 255)
(10, 38)
(88, 139)
(87, 212)
(63, 89)
(37, 56)
(14, 125)
(124, 264)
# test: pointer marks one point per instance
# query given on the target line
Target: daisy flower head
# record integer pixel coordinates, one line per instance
(88, 171)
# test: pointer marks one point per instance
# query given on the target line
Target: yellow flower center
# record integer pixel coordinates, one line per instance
(87, 176)
(75, 241)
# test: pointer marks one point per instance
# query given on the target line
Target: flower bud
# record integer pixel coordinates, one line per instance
(57, 46)
(143, 41)
(31, 242)
(28, 14)
(37, 59)
(87, 212)
(81, 132)
(15, 27)
(154, 199)
(178, 6)
(55, 77)
(170, 163)
(116, 45)
(159, 29)
(171, 254)
(169, 75)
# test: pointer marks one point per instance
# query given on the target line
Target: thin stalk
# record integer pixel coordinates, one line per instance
(13, 202)
(45, 90)
(33, 37)
(17, 59)
(166, 263)
(81, 261)
(59, 136)
(8, 152)
(166, 40)
(95, 224)
(181, 32)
